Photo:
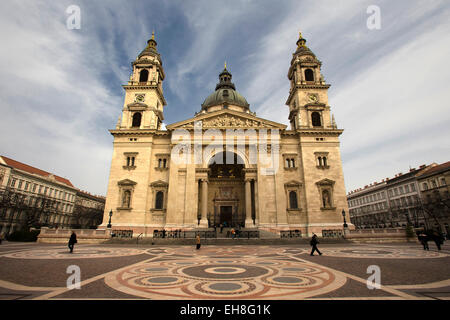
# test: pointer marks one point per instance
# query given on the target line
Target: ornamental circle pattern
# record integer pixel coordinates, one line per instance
(78, 253)
(243, 278)
(381, 253)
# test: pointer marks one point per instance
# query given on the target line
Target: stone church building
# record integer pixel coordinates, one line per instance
(226, 165)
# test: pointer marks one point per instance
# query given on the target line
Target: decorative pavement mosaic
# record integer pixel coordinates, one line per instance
(218, 272)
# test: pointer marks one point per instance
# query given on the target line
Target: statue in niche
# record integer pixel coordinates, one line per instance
(326, 199)
(126, 199)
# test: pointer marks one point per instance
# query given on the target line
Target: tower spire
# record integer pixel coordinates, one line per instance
(301, 42)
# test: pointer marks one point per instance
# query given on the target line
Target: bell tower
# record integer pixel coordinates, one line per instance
(308, 95)
(144, 100)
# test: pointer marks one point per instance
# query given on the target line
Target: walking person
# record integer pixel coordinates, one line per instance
(423, 238)
(437, 238)
(314, 242)
(198, 241)
(221, 227)
(72, 241)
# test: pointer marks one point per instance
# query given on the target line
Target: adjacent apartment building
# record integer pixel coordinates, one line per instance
(31, 197)
(419, 197)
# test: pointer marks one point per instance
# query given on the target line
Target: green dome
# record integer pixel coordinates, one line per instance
(225, 95)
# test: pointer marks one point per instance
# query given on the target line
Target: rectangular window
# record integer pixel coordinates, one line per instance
(34, 187)
(27, 185)
(400, 190)
(45, 191)
(20, 184)
(413, 187)
(40, 189)
(406, 189)
(396, 191)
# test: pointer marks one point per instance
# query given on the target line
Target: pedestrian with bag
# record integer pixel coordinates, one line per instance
(314, 242)
(72, 241)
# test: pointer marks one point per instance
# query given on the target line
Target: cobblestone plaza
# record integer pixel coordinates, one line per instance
(279, 272)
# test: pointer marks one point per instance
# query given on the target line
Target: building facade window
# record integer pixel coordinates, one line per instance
(322, 160)
(143, 76)
(159, 200)
(137, 117)
(162, 161)
(315, 119)
(309, 75)
(293, 202)
(130, 160)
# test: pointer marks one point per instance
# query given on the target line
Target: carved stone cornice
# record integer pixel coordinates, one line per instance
(320, 132)
(305, 86)
(146, 87)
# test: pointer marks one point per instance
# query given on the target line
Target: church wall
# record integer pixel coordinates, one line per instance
(319, 218)
(139, 175)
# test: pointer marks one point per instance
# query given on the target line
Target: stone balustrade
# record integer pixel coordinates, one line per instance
(83, 235)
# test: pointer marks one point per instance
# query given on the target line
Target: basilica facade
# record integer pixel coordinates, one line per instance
(226, 165)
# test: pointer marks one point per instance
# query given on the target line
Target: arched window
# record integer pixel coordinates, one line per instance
(309, 75)
(324, 159)
(293, 163)
(315, 118)
(137, 119)
(288, 163)
(319, 160)
(293, 204)
(159, 200)
(143, 76)
(126, 199)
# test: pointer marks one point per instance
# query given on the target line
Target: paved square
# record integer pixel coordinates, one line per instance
(281, 272)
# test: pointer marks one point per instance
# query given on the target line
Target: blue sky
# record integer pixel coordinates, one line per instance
(61, 89)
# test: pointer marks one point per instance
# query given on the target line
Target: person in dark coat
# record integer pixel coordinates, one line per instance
(423, 238)
(313, 244)
(72, 241)
(437, 238)
(198, 241)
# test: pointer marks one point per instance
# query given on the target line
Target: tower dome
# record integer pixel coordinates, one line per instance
(225, 95)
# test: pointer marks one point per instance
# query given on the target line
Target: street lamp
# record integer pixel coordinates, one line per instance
(345, 222)
(109, 223)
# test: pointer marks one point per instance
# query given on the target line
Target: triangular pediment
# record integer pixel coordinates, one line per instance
(227, 119)
(159, 183)
(325, 182)
(126, 182)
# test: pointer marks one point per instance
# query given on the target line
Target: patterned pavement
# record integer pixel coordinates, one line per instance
(34, 271)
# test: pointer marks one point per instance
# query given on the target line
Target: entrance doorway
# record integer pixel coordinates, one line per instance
(226, 214)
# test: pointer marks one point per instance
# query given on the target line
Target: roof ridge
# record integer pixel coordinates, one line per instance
(30, 169)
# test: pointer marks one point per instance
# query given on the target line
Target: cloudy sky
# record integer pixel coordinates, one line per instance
(61, 89)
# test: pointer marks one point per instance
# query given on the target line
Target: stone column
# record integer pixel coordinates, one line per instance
(204, 208)
(255, 183)
(248, 204)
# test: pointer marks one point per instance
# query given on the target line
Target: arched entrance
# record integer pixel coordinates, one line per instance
(226, 190)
